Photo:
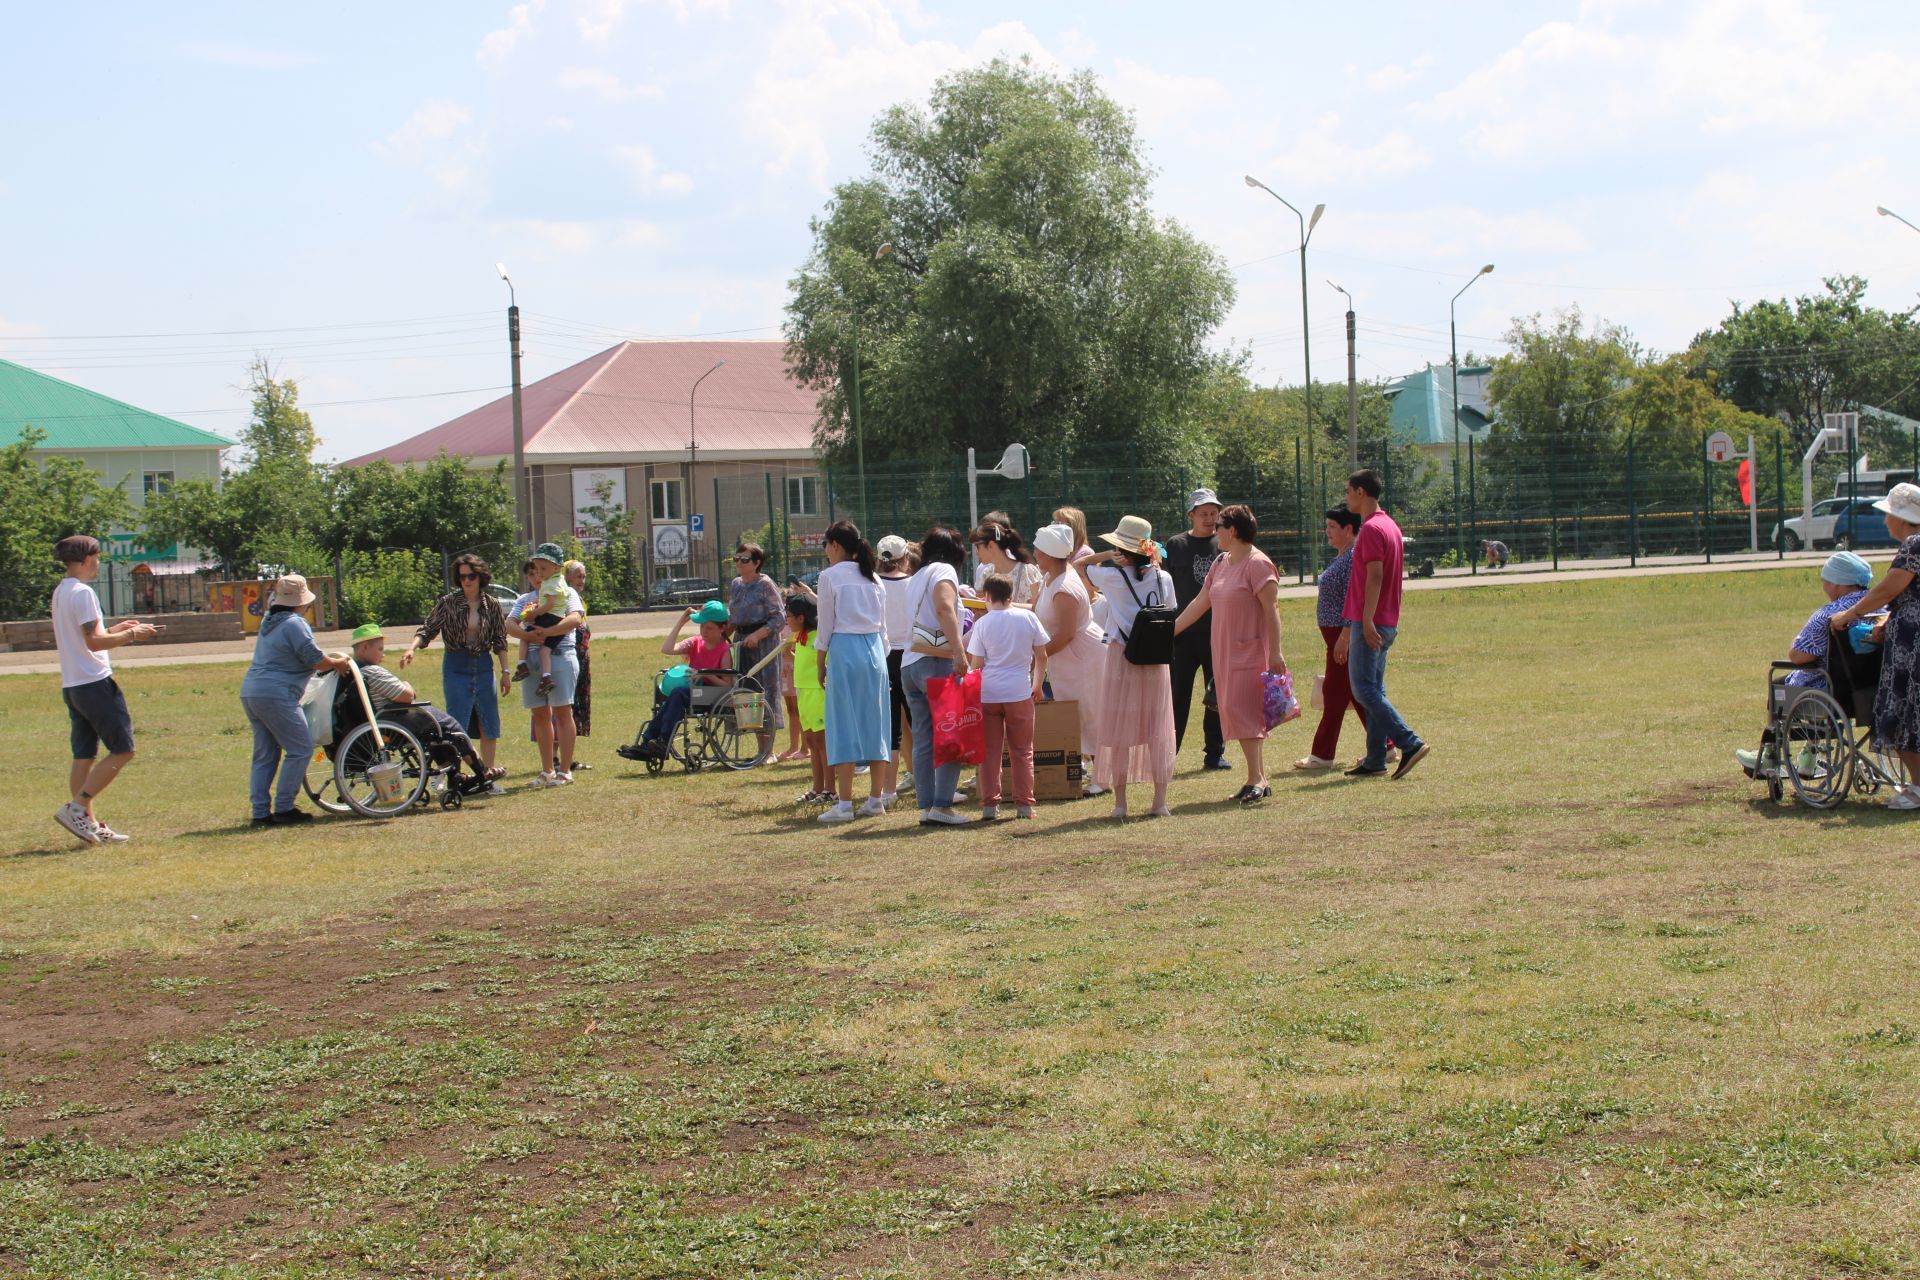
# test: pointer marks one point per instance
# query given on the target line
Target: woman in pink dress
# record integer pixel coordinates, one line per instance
(1243, 590)
(1135, 738)
(1075, 659)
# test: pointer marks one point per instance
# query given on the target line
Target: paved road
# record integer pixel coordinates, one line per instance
(623, 625)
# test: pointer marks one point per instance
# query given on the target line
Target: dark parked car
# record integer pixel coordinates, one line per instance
(676, 592)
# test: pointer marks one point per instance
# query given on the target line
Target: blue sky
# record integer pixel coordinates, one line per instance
(331, 186)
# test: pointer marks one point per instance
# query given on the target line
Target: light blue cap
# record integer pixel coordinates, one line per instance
(1847, 569)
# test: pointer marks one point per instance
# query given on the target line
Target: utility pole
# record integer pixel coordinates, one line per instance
(522, 508)
(1353, 391)
(1453, 349)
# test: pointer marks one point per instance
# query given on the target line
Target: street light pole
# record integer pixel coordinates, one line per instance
(1885, 212)
(1306, 339)
(1453, 349)
(693, 448)
(522, 513)
(1353, 392)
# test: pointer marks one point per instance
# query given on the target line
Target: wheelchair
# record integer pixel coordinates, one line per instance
(378, 774)
(1820, 742)
(726, 726)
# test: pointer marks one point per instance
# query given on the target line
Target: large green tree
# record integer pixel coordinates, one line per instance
(1816, 354)
(1000, 276)
(441, 506)
(42, 500)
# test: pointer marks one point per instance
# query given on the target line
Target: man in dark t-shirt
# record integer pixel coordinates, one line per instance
(1187, 557)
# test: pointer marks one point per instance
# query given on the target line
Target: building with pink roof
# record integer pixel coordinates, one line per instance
(740, 458)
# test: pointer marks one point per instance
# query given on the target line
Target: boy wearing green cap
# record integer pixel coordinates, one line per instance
(387, 691)
(710, 657)
(546, 609)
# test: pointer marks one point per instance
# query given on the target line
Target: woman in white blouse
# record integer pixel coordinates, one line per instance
(1001, 550)
(933, 649)
(852, 650)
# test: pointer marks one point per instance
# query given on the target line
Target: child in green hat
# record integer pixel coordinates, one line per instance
(547, 608)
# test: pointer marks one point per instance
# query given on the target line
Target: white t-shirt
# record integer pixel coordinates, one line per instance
(75, 610)
(1155, 587)
(1006, 638)
(920, 600)
(899, 628)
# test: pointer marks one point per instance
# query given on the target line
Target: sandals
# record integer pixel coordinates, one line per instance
(818, 797)
(1314, 764)
(1252, 795)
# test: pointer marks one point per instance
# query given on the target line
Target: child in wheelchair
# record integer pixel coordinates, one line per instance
(709, 662)
(442, 736)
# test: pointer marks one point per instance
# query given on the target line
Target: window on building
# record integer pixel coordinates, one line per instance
(803, 495)
(155, 483)
(669, 502)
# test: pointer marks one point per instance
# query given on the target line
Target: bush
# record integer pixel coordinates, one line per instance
(389, 587)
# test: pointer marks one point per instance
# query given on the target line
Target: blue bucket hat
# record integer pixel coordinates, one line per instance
(1846, 569)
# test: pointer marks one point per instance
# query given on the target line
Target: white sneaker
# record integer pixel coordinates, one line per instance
(842, 811)
(888, 797)
(1903, 798)
(543, 780)
(905, 786)
(75, 819)
(988, 812)
(1092, 790)
(873, 806)
(495, 789)
(107, 834)
(944, 818)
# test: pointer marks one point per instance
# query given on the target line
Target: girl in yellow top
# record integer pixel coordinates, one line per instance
(810, 696)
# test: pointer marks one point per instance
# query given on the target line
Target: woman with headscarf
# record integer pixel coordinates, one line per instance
(1075, 660)
(1896, 702)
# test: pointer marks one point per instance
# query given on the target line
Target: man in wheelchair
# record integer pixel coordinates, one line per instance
(1844, 579)
(443, 738)
(709, 662)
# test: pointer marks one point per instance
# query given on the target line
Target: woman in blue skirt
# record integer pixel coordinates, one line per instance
(853, 666)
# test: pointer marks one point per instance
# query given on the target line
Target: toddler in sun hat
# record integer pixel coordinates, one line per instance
(548, 606)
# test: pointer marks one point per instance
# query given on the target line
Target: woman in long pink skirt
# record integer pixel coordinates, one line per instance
(1134, 740)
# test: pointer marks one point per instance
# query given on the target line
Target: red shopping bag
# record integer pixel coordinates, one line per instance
(959, 731)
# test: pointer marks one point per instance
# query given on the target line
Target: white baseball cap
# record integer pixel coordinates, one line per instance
(892, 547)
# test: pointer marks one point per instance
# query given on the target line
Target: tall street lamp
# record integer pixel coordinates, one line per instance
(1453, 347)
(1353, 392)
(1885, 212)
(522, 515)
(693, 453)
(1306, 343)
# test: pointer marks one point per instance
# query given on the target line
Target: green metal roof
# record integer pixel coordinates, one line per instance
(1420, 402)
(76, 418)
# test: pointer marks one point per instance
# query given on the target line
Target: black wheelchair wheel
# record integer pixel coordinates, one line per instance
(360, 753)
(1818, 751)
(322, 785)
(733, 746)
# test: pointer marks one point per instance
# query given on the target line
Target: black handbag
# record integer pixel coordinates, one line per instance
(1150, 642)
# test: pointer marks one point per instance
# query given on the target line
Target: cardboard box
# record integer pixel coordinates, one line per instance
(1057, 771)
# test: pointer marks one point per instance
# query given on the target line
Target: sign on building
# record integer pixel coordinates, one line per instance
(670, 544)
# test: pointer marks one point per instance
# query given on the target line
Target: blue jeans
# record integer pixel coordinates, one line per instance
(471, 699)
(932, 787)
(672, 711)
(281, 743)
(1367, 670)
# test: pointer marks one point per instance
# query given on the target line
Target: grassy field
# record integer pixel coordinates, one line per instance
(1571, 1000)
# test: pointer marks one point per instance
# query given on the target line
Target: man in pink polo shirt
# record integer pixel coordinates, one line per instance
(1372, 615)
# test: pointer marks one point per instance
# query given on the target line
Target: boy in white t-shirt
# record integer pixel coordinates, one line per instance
(1008, 648)
(96, 710)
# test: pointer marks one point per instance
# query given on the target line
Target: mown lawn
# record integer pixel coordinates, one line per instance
(1571, 1000)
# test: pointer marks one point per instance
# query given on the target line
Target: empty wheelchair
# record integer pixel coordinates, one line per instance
(1820, 742)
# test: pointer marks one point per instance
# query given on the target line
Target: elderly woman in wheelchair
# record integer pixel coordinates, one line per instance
(1816, 699)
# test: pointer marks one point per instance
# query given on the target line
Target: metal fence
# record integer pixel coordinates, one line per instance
(1550, 501)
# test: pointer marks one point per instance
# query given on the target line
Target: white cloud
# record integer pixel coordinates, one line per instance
(1161, 99)
(253, 59)
(20, 329)
(1721, 67)
(559, 236)
(1320, 158)
(1399, 76)
(435, 121)
(499, 44)
(835, 64)
(637, 159)
(607, 85)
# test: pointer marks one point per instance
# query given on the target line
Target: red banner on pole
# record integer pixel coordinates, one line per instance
(1745, 476)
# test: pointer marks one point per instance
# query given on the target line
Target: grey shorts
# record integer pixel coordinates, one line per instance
(98, 716)
(566, 673)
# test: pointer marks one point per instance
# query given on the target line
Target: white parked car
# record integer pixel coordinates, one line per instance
(1817, 532)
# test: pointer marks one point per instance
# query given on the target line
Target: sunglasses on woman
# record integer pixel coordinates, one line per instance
(464, 576)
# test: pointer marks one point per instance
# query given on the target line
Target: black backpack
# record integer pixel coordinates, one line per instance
(1150, 643)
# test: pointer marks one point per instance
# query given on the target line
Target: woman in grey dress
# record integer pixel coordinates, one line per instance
(1896, 703)
(757, 612)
